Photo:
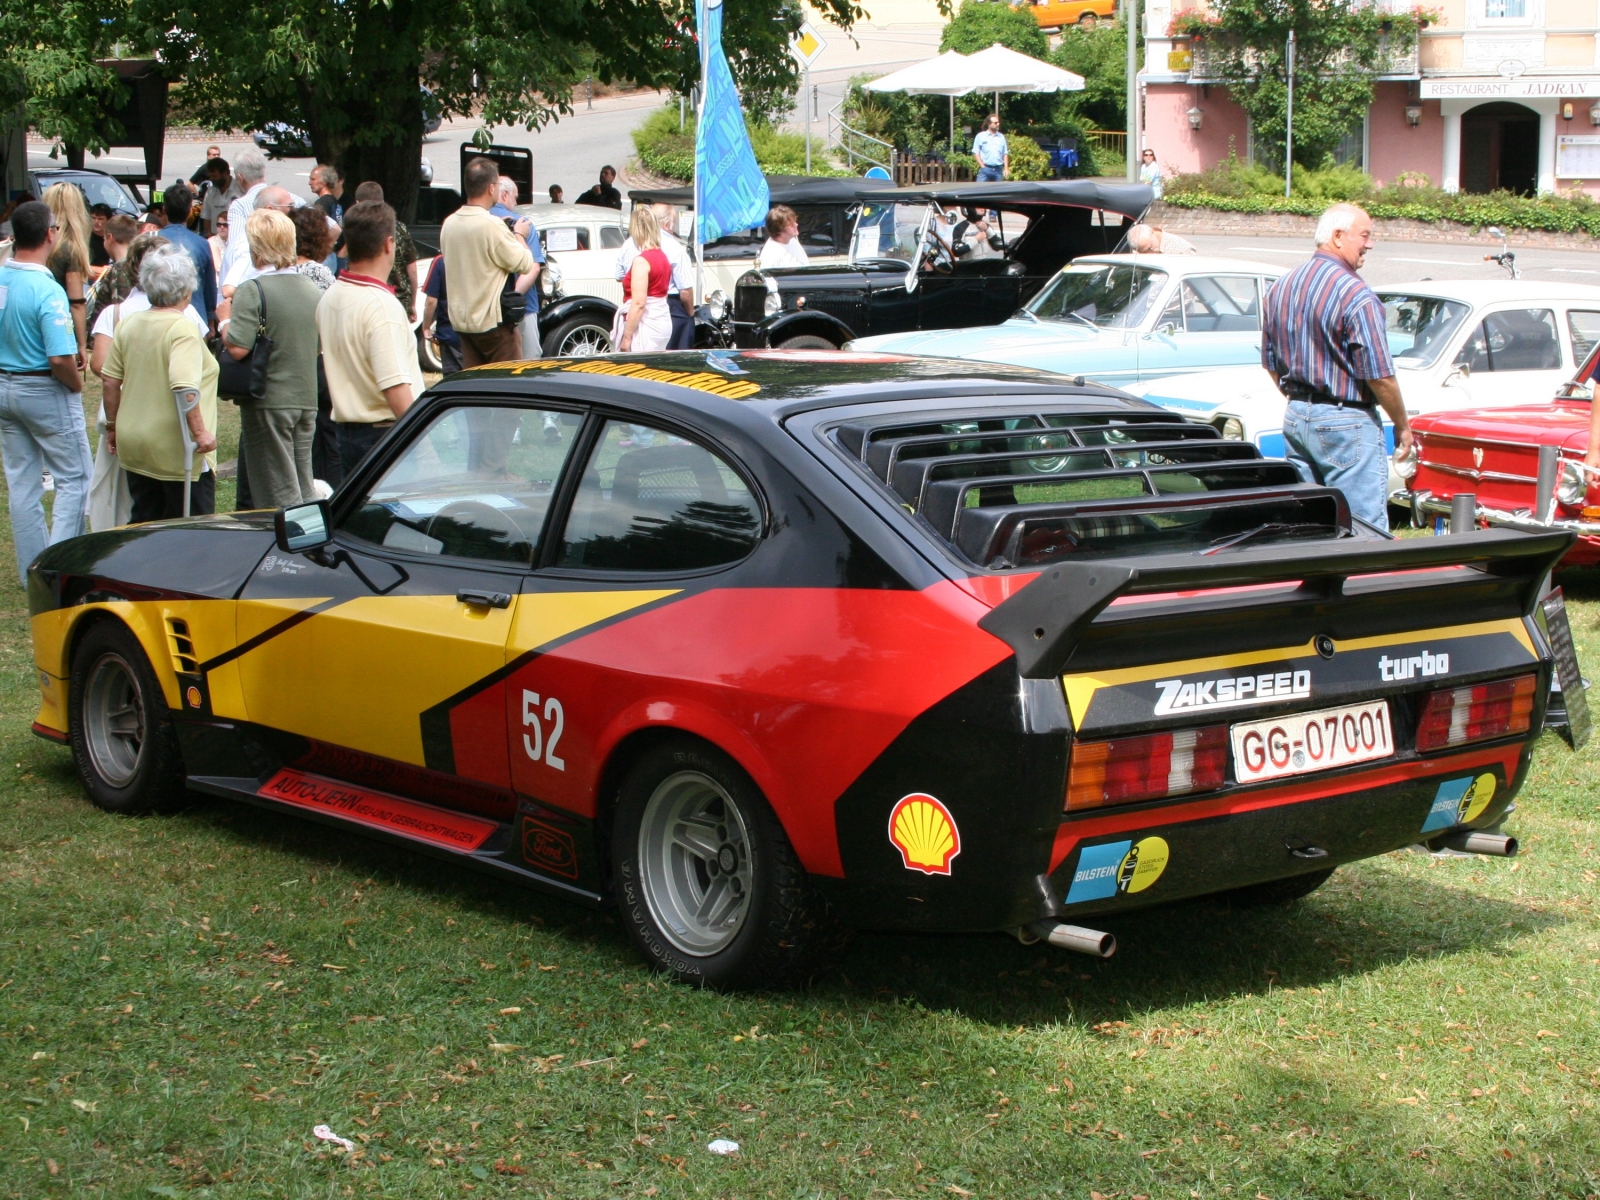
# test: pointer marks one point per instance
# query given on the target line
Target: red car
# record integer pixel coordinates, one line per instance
(1494, 454)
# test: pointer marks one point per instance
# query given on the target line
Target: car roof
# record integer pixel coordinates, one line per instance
(1191, 264)
(784, 189)
(1488, 291)
(546, 213)
(1125, 199)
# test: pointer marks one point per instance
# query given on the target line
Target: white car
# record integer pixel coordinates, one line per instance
(1456, 344)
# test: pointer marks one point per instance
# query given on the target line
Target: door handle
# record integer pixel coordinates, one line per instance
(482, 599)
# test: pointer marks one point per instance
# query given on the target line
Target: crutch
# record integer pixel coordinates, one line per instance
(179, 396)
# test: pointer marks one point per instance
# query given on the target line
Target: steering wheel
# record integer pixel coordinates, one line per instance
(942, 259)
(488, 522)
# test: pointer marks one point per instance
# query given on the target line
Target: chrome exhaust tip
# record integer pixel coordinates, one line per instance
(1070, 937)
(1472, 842)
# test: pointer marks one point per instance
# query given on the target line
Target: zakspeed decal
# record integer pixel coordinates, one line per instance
(422, 821)
(925, 833)
(1117, 867)
(1425, 665)
(699, 381)
(549, 849)
(1181, 695)
(1459, 802)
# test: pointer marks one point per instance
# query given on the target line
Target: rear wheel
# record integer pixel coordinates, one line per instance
(120, 728)
(579, 337)
(1278, 891)
(709, 887)
(807, 341)
(1088, 21)
(426, 358)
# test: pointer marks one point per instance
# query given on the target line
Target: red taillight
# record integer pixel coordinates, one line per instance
(1457, 716)
(1147, 767)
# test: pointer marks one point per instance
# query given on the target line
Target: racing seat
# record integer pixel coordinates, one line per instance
(665, 476)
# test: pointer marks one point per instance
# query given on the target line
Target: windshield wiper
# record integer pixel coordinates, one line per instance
(1078, 316)
(1235, 539)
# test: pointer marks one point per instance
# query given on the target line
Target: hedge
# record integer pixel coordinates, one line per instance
(1557, 214)
(665, 150)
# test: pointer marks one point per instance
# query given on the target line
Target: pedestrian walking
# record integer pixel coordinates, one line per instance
(218, 242)
(328, 186)
(279, 304)
(250, 172)
(436, 327)
(1323, 340)
(482, 252)
(782, 247)
(99, 255)
(69, 261)
(178, 201)
(644, 324)
(368, 350)
(1150, 171)
(202, 173)
(313, 239)
(403, 275)
(603, 194)
(41, 392)
(527, 282)
(556, 193)
(116, 281)
(680, 296)
(159, 373)
(991, 151)
(224, 190)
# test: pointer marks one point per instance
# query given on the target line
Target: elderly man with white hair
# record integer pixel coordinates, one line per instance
(1152, 239)
(250, 173)
(505, 206)
(1323, 340)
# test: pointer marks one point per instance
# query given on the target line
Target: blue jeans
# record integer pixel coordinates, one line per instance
(42, 429)
(1341, 448)
(991, 174)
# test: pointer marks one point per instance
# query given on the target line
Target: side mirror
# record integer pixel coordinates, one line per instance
(1461, 373)
(303, 527)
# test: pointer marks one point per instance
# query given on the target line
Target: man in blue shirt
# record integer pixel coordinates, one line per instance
(41, 392)
(178, 201)
(528, 283)
(991, 151)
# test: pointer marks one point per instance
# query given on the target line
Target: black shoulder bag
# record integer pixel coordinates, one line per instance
(245, 379)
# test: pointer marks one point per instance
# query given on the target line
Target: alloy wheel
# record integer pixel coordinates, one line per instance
(695, 868)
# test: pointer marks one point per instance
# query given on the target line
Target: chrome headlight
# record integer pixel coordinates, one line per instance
(1405, 465)
(550, 281)
(1232, 429)
(1571, 487)
(717, 305)
(774, 301)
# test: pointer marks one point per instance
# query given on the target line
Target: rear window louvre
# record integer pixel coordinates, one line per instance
(1038, 486)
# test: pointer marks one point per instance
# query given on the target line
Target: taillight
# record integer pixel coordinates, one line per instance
(1147, 767)
(1456, 716)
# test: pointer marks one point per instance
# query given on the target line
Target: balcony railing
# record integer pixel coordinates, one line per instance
(1398, 58)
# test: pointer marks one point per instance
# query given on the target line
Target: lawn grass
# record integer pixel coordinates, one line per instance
(182, 999)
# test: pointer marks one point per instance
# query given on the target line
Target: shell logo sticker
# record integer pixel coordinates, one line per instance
(925, 833)
(193, 697)
(1114, 868)
(1459, 802)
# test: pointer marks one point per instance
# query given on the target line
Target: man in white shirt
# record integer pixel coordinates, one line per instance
(992, 152)
(250, 173)
(680, 301)
(782, 247)
(244, 268)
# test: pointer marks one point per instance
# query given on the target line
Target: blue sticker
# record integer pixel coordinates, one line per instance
(1446, 804)
(1096, 874)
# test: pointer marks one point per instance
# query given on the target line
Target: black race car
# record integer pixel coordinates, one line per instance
(754, 645)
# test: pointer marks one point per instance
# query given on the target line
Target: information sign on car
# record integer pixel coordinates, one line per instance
(1315, 741)
(1579, 726)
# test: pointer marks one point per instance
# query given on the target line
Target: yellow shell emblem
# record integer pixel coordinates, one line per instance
(925, 833)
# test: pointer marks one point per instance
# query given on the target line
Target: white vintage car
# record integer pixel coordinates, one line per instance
(1456, 344)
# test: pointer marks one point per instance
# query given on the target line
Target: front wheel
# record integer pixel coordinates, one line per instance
(710, 889)
(579, 337)
(807, 341)
(120, 728)
(1087, 21)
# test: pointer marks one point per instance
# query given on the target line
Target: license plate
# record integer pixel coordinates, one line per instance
(1315, 741)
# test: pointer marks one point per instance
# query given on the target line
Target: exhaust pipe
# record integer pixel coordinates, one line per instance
(1074, 937)
(1497, 844)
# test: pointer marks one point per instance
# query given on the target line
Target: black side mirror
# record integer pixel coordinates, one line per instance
(303, 527)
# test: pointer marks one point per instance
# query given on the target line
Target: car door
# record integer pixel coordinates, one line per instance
(386, 647)
(1209, 321)
(1513, 356)
(1583, 325)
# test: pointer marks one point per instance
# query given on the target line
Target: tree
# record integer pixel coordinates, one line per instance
(350, 73)
(1100, 55)
(1341, 45)
(979, 25)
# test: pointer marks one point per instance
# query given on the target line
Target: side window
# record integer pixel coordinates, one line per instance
(1221, 304)
(651, 501)
(611, 237)
(1519, 339)
(1585, 329)
(1172, 314)
(476, 483)
(566, 238)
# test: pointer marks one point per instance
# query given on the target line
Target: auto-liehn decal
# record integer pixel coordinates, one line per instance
(1424, 665)
(1116, 868)
(1230, 691)
(925, 833)
(1459, 802)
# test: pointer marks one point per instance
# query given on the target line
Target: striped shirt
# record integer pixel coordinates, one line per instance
(1323, 331)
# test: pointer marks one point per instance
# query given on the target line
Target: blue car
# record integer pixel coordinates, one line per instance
(1119, 319)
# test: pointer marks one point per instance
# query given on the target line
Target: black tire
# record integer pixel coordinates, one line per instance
(779, 929)
(1278, 891)
(426, 358)
(807, 341)
(578, 337)
(120, 727)
(1088, 21)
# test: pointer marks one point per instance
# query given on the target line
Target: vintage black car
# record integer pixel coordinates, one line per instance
(938, 257)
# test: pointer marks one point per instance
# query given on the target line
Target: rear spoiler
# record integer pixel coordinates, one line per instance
(1045, 620)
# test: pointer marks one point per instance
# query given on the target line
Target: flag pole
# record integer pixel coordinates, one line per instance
(699, 118)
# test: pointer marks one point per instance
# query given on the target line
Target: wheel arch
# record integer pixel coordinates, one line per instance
(144, 621)
(803, 323)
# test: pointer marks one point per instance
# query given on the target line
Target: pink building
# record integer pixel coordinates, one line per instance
(1497, 94)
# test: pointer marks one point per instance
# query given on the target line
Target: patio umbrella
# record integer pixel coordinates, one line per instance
(930, 78)
(1001, 69)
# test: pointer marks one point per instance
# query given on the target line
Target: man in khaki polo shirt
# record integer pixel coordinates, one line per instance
(481, 253)
(368, 351)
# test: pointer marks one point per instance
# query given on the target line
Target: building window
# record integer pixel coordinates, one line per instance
(1503, 10)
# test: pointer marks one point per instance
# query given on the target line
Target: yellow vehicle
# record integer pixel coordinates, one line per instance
(1056, 14)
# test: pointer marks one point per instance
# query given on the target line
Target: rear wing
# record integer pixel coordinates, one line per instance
(1487, 575)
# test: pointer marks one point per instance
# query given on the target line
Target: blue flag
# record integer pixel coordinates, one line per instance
(731, 190)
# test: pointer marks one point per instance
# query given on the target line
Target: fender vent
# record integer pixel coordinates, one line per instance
(184, 659)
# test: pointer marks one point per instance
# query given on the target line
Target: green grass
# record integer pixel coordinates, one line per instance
(182, 999)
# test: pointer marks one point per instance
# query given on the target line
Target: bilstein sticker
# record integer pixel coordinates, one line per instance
(1459, 802)
(1113, 867)
(925, 833)
(1183, 695)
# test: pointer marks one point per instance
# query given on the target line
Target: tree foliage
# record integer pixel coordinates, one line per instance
(978, 25)
(1340, 47)
(1100, 55)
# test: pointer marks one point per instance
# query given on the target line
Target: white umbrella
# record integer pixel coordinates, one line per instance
(930, 78)
(1001, 69)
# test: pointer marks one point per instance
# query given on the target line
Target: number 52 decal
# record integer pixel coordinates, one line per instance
(536, 744)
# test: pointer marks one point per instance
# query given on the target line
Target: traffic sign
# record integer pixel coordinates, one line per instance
(807, 45)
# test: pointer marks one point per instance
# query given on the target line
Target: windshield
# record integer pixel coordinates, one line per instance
(1109, 295)
(887, 231)
(1420, 326)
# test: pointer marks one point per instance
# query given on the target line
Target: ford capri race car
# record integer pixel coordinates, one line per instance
(754, 645)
